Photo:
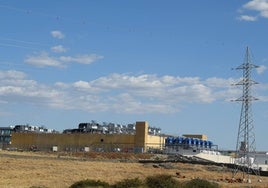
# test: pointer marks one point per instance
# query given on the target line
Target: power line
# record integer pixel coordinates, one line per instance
(245, 159)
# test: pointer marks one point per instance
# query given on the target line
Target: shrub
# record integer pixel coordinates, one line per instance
(199, 183)
(162, 181)
(130, 183)
(90, 183)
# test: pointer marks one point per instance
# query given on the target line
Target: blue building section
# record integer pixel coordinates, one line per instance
(193, 142)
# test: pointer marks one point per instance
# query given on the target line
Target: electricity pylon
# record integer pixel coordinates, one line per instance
(245, 145)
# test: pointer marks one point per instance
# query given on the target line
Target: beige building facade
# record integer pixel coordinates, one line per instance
(140, 142)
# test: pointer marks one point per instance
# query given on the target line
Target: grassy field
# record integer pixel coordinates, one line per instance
(26, 169)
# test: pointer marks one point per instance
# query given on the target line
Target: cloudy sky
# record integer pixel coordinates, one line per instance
(171, 63)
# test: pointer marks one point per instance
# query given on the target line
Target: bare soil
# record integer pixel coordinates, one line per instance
(28, 169)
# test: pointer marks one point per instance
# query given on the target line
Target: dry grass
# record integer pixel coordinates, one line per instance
(49, 170)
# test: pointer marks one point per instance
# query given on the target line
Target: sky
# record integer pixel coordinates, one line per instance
(171, 63)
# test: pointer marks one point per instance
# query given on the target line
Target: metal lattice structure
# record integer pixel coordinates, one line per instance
(246, 146)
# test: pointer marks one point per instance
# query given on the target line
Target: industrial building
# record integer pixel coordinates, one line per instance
(85, 139)
(93, 136)
(89, 138)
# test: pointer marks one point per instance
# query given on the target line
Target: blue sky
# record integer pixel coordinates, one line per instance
(166, 62)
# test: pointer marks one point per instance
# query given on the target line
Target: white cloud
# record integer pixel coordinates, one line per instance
(220, 82)
(58, 49)
(83, 59)
(20, 90)
(85, 87)
(260, 6)
(82, 84)
(261, 69)
(168, 88)
(57, 34)
(12, 74)
(43, 60)
(121, 93)
(247, 18)
(264, 14)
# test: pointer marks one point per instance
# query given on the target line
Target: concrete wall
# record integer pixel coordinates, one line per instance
(71, 141)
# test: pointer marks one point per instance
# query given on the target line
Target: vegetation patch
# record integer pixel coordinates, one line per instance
(136, 182)
(90, 183)
(200, 183)
(156, 181)
(162, 181)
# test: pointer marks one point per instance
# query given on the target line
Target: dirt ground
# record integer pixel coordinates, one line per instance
(26, 169)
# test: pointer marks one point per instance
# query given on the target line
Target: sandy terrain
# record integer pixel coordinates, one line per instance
(25, 169)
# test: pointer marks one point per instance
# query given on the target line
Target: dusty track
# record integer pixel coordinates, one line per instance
(25, 169)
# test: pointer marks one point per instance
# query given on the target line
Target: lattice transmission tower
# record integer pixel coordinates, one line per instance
(245, 146)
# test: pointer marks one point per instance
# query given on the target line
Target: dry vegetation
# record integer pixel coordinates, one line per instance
(24, 169)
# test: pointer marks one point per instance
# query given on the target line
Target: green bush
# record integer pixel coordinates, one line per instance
(156, 181)
(129, 183)
(162, 181)
(90, 183)
(199, 183)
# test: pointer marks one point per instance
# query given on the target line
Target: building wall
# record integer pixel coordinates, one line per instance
(66, 142)
(141, 134)
(218, 158)
(262, 161)
(156, 142)
(76, 142)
